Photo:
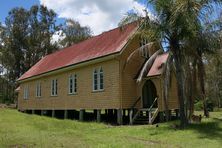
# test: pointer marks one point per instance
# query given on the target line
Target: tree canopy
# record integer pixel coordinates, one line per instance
(27, 36)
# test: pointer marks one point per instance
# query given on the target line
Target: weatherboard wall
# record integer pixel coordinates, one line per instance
(85, 98)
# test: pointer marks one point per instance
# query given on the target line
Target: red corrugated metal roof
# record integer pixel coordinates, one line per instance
(157, 67)
(104, 44)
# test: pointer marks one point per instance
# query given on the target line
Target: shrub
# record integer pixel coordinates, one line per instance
(198, 106)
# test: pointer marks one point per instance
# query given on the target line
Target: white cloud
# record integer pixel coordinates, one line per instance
(99, 15)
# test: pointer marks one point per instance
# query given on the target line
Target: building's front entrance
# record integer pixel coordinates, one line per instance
(149, 94)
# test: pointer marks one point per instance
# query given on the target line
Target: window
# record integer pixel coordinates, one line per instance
(38, 89)
(72, 84)
(54, 87)
(144, 51)
(98, 80)
(26, 92)
(101, 78)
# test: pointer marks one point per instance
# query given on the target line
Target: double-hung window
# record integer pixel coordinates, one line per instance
(54, 87)
(73, 84)
(38, 89)
(98, 79)
(26, 92)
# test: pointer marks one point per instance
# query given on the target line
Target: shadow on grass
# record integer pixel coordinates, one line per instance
(210, 130)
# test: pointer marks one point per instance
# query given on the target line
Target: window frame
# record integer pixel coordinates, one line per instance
(98, 73)
(72, 77)
(38, 92)
(54, 87)
(26, 92)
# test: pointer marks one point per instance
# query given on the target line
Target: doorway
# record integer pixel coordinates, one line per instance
(149, 94)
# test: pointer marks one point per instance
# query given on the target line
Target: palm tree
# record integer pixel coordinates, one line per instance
(180, 26)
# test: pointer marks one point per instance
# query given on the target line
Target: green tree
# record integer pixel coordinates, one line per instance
(24, 39)
(214, 78)
(74, 33)
(41, 29)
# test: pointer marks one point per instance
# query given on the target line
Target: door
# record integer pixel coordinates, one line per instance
(149, 94)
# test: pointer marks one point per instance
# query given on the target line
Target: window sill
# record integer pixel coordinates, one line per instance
(100, 90)
(54, 95)
(72, 94)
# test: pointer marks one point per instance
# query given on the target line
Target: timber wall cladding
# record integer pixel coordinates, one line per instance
(85, 97)
(129, 73)
(172, 95)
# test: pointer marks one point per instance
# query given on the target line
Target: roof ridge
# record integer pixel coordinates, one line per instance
(103, 33)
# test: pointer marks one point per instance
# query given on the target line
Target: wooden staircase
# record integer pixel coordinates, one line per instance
(144, 115)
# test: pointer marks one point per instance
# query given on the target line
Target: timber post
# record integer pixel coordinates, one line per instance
(119, 117)
(177, 113)
(150, 118)
(81, 114)
(53, 113)
(170, 115)
(161, 117)
(98, 115)
(131, 116)
(65, 114)
(42, 112)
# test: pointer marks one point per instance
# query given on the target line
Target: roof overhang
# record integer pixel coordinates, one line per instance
(71, 67)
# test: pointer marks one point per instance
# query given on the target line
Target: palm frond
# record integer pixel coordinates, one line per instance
(139, 50)
(148, 65)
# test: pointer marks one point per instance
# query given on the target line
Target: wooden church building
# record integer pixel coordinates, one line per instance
(99, 74)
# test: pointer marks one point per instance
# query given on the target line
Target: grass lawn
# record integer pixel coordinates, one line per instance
(23, 130)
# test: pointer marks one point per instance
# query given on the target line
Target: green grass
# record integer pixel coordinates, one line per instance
(23, 130)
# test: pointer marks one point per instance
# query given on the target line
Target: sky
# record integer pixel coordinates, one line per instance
(99, 15)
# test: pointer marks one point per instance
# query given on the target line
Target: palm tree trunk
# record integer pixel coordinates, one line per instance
(189, 87)
(177, 55)
(201, 73)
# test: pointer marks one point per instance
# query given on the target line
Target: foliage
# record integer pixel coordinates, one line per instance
(74, 33)
(214, 78)
(198, 106)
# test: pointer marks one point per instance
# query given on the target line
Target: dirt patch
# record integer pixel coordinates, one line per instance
(12, 106)
(151, 142)
(21, 146)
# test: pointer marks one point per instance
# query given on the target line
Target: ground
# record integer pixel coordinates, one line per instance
(24, 130)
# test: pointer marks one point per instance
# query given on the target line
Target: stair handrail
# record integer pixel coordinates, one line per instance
(152, 104)
(133, 115)
(135, 103)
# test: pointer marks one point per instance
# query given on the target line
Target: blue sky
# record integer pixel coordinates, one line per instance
(98, 16)
(7, 5)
